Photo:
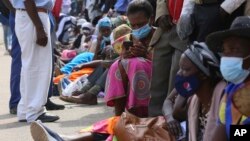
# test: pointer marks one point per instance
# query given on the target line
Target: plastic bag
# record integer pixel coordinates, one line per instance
(73, 86)
(185, 24)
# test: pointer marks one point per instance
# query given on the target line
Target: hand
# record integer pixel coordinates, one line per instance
(42, 38)
(138, 50)
(174, 127)
(99, 38)
(165, 23)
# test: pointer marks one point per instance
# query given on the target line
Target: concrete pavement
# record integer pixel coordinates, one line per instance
(72, 119)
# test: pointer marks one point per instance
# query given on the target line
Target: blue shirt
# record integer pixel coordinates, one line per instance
(47, 4)
(79, 59)
(121, 5)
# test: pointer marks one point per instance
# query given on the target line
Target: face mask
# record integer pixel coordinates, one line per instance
(231, 69)
(186, 86)
(142, 32)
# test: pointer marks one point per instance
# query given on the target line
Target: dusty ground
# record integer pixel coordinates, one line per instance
(73, 118)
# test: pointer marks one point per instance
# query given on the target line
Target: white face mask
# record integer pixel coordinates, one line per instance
(231, 69)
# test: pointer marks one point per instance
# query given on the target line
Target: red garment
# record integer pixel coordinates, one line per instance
(174, 8)
(57, 9)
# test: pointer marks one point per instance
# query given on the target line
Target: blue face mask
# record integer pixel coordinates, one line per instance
(232, 71)
(141, 32)
(186, 86)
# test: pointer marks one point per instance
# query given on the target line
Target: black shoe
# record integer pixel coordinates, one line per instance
(52, 106)
(22, 120)
(13, 111)
(45, 117)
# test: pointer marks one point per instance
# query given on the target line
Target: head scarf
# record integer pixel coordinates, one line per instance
(202, 57)
(119, 35)
(117, 21)
(87, 27)
(105, 22)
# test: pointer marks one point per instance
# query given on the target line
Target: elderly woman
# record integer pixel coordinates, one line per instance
(197, 82)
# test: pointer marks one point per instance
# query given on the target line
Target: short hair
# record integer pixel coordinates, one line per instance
(140, 6)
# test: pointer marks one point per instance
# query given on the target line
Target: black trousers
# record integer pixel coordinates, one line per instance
(207, 19)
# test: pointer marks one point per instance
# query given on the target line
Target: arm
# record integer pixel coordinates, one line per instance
(180, 108)
(229, 6)
(92, 64)
(120, 105)
(42, 38)
(98, 46)
(168, 105)
(162, 18)
(161, 9)
(219, 133)
(8, 5)
(172, 125)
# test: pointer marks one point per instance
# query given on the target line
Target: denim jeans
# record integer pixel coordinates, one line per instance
(16, 66)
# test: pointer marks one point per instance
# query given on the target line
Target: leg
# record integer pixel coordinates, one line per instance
(160, 75)
(90, 96)
(207, 19)
(40, 132)
(92, 93)
(50, 105)
(36, 67)
(16, 65)
(92, 78)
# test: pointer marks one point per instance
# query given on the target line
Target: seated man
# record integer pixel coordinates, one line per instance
(234, 45)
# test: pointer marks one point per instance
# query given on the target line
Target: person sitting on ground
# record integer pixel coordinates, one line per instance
(104, 29)
(97, 79)
(234, 46)
(137, 69)
(197, 83)
(141, 35)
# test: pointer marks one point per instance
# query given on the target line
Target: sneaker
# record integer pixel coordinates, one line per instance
(52, 106)
(39, 133)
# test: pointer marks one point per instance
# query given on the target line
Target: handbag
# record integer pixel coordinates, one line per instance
(133, 128)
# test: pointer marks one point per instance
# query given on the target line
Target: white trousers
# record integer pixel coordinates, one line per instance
(36, 67)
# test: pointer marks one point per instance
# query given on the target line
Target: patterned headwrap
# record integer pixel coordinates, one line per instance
(202, 57)
(119, 35)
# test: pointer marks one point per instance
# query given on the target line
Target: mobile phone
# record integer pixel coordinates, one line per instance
(127, 44)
